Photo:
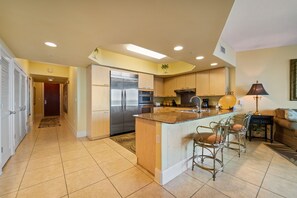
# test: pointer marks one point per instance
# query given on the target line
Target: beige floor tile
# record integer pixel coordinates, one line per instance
(78, 164)
(99, 148)
(101, 189)
(80, 179)
(51, 189)
(246, 173)
(151, 191)
(71, 147)
(43, 162)
(41, 175)
(261, 165)
(233, 187)
(280, 186)
(71, 155)
(106, 156)
(14, 169)
(183, 186)
(10, 184)
(209, 192)
(267, 194)
(45, 153)
(130, 181)
(115, 166)
(10, 195)
(283, 168)
(200, 174)
(19, 157)
(88, 143)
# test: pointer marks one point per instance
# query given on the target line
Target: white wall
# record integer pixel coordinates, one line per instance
(270, 67)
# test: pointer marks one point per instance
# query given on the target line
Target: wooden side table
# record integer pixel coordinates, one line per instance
(262, 120)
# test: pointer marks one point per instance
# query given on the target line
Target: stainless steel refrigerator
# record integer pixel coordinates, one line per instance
(123, 102)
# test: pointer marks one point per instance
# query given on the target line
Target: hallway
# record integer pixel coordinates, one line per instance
(51, 162)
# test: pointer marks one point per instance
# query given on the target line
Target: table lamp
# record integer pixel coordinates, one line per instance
(257, 89)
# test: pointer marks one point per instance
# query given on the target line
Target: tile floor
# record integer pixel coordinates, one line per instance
(51, 162)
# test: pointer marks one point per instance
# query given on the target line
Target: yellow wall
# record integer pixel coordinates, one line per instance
(38, 106)
(24, 64)
(45, 69)
(71, 115)
(175, 68)
(270, 67)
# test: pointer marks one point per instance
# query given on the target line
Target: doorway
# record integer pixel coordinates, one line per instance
(51, 99)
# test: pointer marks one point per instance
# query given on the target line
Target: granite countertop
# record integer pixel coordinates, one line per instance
(178, 116)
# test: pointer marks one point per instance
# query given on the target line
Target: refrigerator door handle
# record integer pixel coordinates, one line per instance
(125, 100)
(122, 100)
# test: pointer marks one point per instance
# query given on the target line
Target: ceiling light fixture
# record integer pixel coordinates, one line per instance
(200, 57)
(178, 48)
(50, 79)
(145, 52)
(50, 44)
(214, 64)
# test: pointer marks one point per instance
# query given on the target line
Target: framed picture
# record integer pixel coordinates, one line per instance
(293, 79)
(65, 97)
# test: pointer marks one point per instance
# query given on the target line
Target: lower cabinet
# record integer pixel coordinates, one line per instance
(100, 125)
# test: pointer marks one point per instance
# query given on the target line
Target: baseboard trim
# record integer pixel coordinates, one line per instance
(163, 177)
(80, 134)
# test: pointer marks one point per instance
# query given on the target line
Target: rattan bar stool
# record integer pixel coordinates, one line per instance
(211, 138)
(238, 128)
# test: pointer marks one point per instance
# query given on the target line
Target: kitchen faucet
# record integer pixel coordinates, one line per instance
(197, 101)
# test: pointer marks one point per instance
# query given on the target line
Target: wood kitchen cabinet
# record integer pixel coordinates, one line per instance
(98, 82)
(145, 81)
(169, 87)
(158, 87)
(213, 82)
(186, 81)
(100, 75)
(100, 124)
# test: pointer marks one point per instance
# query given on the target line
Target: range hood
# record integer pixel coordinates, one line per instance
(183, 91)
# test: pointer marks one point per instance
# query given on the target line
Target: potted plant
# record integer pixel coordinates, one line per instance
(164, 67)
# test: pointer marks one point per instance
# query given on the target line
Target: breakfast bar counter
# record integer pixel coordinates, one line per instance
(164, 142)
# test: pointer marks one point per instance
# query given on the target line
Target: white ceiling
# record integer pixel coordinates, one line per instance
(256, 24)
(78, 27)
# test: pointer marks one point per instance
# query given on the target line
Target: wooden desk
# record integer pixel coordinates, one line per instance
(262, 120)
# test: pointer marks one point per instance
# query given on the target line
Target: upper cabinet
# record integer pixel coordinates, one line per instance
(213, 82)
(100, 75)
(169, 87)
(185, 81)
(145, 81)
(158, 87)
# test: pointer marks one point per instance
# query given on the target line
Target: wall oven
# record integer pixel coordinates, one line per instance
(145, 97)
(145, 101)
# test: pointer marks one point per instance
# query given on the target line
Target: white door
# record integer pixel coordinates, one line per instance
(23, 107)
(17, 108)
(6, 127)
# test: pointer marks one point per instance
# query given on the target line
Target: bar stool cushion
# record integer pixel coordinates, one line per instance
(209, 138)
(237, 128)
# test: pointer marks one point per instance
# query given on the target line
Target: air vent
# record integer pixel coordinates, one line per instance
(223, 50)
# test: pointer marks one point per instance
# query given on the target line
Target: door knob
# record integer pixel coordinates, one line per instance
(44, 101)
(12, 112)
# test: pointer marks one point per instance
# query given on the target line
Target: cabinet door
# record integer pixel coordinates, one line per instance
(169, 87)
(202, 83)
(158, 87)
(100, 124)
(100, 75)
(190, 81)
(100, 98)
(145, 81)
(180, 82)
(217, 81)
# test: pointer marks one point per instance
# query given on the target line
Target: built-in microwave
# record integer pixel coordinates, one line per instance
(145, 108)
(146, 97)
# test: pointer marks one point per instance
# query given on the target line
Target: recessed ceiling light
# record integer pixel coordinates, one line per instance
(50, 79)
(178, 48)
(145, 52)
(214, 64)
(200, 57)
(50, 44)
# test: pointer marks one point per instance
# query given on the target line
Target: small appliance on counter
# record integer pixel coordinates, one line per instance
(205, 103)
